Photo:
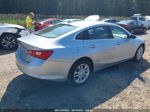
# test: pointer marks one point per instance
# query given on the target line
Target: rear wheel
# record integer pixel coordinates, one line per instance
(80, 72)
(139, 53)
(144, 30)
(8, 41)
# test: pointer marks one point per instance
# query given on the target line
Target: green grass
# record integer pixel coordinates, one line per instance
(18, 21)
(13, 18)
(20, 18)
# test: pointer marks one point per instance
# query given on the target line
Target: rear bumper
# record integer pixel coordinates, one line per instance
(41, 69)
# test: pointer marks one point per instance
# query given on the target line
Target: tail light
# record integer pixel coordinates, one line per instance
(40, 54)
(125, 26)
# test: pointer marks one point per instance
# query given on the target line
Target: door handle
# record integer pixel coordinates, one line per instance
(92, 46)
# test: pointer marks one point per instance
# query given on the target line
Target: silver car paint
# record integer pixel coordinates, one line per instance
(11, 28)
(67, 50)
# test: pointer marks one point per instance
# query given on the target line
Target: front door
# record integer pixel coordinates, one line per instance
(124, 46)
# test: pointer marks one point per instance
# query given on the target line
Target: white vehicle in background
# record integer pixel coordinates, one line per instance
(137, 14)
(92, 18)
(141, 19)
(147, 17)
(9, 34)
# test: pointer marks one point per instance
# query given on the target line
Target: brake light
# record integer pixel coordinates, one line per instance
(126, 26)
(40, 54)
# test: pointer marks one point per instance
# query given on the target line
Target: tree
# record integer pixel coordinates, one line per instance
(76, 7)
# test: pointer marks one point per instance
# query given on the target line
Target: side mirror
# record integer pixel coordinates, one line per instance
(132, 36)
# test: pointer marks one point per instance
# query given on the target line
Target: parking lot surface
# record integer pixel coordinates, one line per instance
(124, 86)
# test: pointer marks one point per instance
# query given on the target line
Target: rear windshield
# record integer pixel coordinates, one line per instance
(55, 31)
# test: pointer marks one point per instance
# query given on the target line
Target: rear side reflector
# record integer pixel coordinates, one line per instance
(40, 54)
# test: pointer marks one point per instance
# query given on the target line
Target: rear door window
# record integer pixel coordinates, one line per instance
(101, 32)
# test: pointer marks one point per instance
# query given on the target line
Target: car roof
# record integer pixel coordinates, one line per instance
(127, 21)
(51, 19)
(71, 19)
(108, 19)
(84, 24)
(136, 16)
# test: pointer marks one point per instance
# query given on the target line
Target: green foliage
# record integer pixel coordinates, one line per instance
(20, 18)
(19, 22)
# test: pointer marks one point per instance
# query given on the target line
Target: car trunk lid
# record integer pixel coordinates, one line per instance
(34, 43)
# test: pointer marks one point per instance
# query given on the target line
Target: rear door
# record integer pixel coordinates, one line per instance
(140, 26)
(136, 27)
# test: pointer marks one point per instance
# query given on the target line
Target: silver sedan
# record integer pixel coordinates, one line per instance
(73, 51)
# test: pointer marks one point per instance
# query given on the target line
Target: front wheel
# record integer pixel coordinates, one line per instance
(139, 53)
(8, 41)
(80, 72)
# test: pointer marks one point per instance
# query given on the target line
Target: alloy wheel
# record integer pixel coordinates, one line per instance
(9, 42)
(139, 54)
(81, 73)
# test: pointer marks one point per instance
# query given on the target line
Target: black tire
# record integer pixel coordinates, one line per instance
(72, 78)
(144, 30)
(8, 41)
(139, 53)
